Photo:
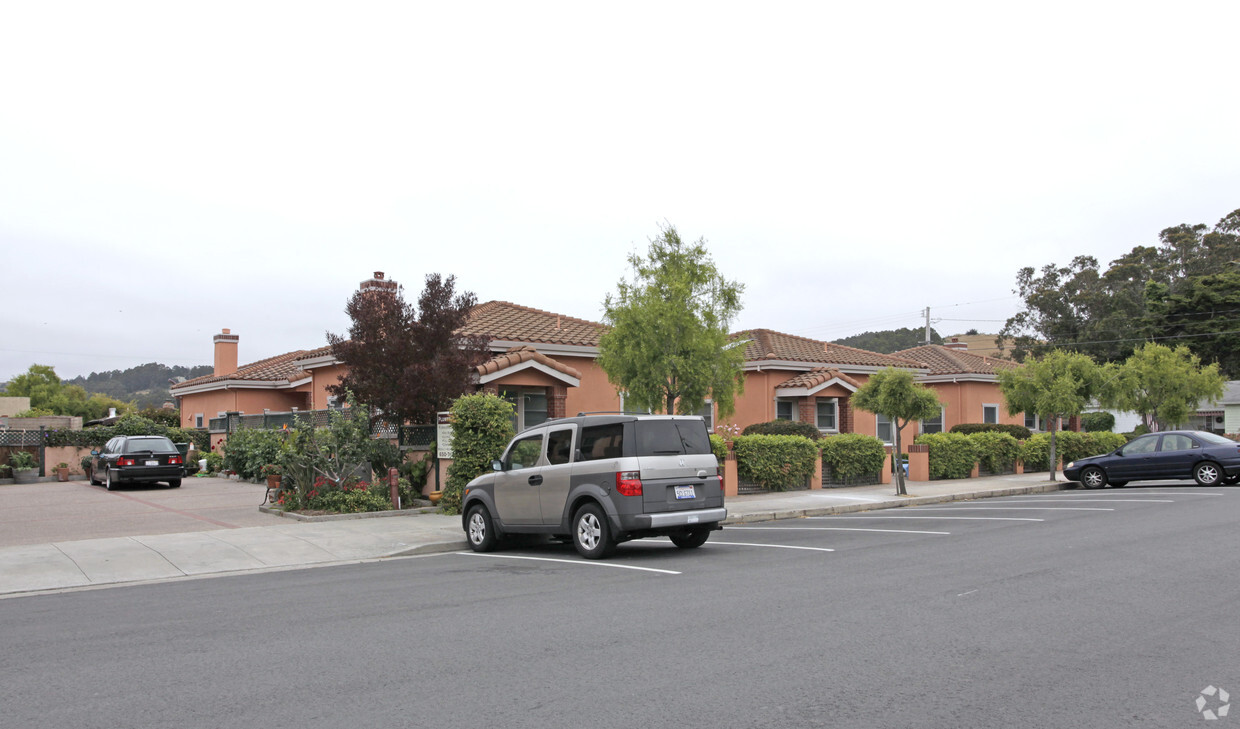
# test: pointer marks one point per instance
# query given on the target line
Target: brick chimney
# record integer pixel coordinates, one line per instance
(955, 343)
(225, 353)
(377, 283)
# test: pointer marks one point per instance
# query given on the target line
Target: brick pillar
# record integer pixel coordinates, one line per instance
(806, 410)
(557, 401)
(1074, 423)
(845, 415)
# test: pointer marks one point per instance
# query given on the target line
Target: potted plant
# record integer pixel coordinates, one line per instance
(62, 471)
(273, 474)
(25, 467)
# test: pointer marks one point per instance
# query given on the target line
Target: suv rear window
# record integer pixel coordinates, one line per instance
(602, 441)
(155, 445)
(671, 437)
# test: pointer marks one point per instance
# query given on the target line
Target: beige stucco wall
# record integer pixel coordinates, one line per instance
(13, 405)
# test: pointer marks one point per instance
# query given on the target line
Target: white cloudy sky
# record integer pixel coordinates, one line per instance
(168, 169)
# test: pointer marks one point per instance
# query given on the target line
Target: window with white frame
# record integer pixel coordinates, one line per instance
(884, 430)
(529, 405)
(785, 409)
(933, 425)
(1032, 422)
(626, 407)
(827, 414)
(990, 413)
(708, 414)
(197, 420)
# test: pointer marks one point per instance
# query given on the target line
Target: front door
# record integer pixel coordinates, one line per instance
(517, 485)
(1137, 460)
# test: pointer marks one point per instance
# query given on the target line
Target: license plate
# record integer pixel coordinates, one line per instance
(685, 492)
(152, 463)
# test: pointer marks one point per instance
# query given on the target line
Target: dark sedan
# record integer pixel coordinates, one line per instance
(1207, 458)
(137, 459)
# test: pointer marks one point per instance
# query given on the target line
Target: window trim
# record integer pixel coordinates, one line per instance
(792, 402)
(834, 402)
(990, 405)
(709, 417)
(921, 424)
(890, 425)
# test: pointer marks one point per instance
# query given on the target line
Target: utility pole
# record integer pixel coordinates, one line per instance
(927, 312)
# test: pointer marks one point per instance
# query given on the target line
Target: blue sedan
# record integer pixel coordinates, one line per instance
(1176, 454)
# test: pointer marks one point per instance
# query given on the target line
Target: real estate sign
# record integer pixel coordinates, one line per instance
(443, 435)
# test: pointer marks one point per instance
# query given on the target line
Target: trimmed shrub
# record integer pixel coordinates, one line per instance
(1019, 432)
(784, 427)
(1036, 450)
(996, 452)
(1104, 442)
(215, 462)
(1097, 422)
(952, 455)
(778, 462)
(719, 447)
(850, 455)
(481, 427)
(249, 449)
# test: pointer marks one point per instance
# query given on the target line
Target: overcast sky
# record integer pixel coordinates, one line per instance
(168, 169)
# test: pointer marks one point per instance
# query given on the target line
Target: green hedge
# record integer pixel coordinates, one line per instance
(247, 450)
(850, 455)
(719, 447)
(996, 452)
(128, 425)
(784, 427)
(952, 455)
(481, 427)
(1097, 422)
(778, 462)
(1019, 432)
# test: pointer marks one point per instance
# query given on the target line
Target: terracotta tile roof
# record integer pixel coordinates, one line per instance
(765, 344)
(510, 322)
(517, 355)
(274, 369)
(816, 377)
(947, 361)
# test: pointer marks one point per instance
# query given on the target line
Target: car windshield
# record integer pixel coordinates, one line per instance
(153, 445)
(1212, 439)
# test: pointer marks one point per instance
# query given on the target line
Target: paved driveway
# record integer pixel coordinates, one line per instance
(55, 512)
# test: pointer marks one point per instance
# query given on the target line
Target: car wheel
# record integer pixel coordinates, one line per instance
(1093, 478)
(480, 529)
(691, 538)
(107, 480)
(174, 483)
(591, 533)
(1207, 473)
(90, 476)
(1231, 480)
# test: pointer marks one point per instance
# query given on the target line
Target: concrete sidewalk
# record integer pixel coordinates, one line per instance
(58, 565)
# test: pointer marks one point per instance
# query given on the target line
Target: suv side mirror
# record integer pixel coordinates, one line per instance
(94, 453)
(497, 465)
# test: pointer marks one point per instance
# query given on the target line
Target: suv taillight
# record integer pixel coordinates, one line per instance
(126, 462)
(628, 483)
(174, 460)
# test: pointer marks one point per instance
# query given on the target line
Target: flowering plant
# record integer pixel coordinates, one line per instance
(728, 430)
(272, 469)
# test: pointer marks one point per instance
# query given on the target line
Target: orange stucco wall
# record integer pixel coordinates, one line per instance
(963, 401)
(211, 404)
(322, 377)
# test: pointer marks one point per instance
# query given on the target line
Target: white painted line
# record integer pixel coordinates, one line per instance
(975, 518)
(970, 592)
(1016, 508)
(835, 529)
(568, 561)
(1102, 500)
(1143, 492)
(772, 546)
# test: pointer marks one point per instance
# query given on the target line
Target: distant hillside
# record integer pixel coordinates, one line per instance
(147, 384)
(891, 340)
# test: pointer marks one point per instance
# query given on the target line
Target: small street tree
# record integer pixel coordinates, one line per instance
(1060, 385)
(1162, 384)
(408, 362)
(894, 394)
(668, 347)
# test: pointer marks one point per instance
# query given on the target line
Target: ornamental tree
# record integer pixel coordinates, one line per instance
(408, 362)
(894, 394)
(667, 347)
(1059, 385)
(1162, 384)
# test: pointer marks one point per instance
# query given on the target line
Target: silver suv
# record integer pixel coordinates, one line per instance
(600, 480)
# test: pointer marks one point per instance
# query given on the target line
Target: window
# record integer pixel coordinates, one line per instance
(1177, 442)
(933, 425)
(197, 420)
(708, 414)
(530, 405)
(560, 446)
(785, 409)
(826, 415)
(1031, 421)
(990, 413)
(524, 453)
(602, 441)
(885, 432)
(1144, 444)
(626, 407)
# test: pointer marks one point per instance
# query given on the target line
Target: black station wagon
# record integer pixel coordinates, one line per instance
(137, 459)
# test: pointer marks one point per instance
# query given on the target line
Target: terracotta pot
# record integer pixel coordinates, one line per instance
(273, 482)
(62, 474)
(435, 496)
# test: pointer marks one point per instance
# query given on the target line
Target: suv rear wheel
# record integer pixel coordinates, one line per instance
(591, 532)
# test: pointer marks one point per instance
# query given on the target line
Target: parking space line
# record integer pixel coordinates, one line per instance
(974, 518)
(1101, 501)
(1016, 508)
(581, 562)
(836, 529)
(772, 546)
(1143, 492)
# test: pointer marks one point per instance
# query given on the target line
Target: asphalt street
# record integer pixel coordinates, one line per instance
(1080, 608)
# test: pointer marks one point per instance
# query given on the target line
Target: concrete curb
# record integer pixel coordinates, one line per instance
(346, 517)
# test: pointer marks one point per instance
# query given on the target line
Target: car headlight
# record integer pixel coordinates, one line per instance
(1070, 464)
